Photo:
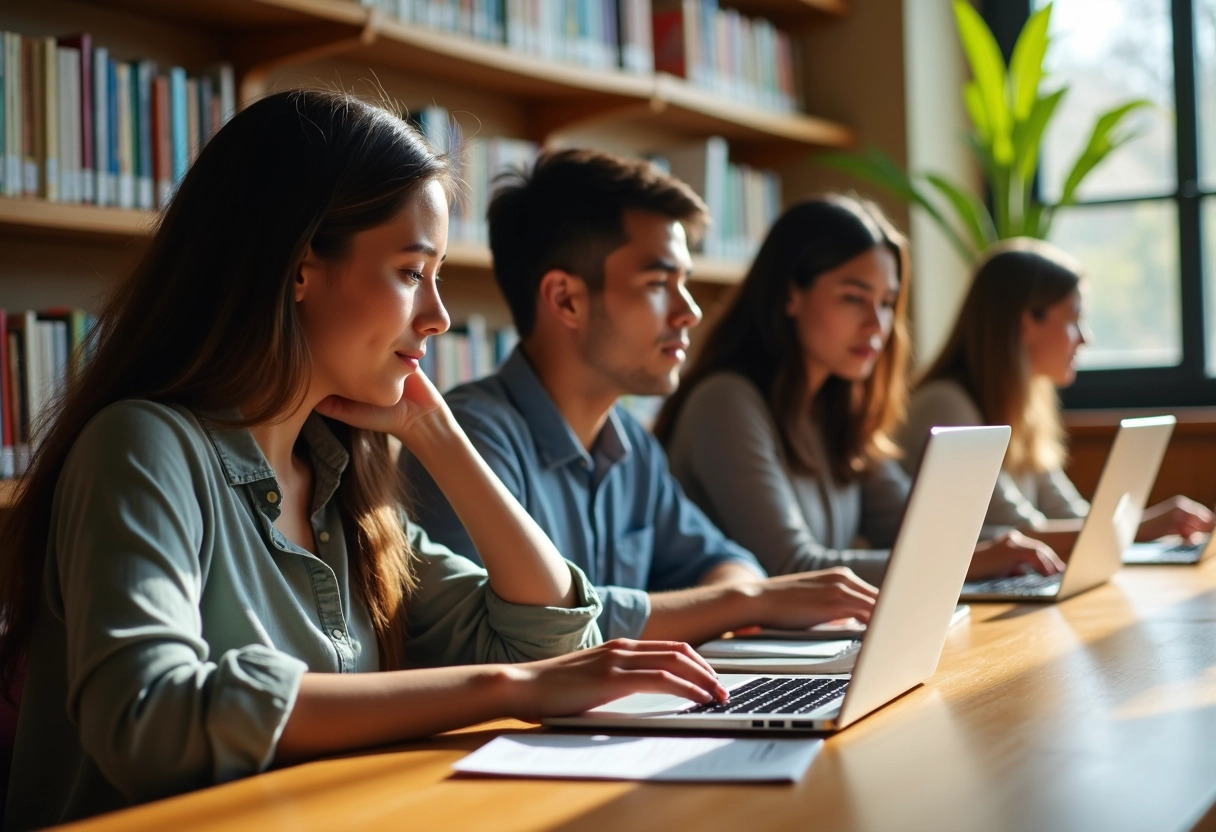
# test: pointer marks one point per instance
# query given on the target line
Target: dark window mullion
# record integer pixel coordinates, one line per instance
(1190, 233)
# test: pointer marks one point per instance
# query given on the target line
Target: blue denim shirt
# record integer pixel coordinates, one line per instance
(177, 620)
(616, 512)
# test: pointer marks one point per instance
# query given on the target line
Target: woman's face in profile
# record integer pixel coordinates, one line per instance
(844, 317)
(1052, 339)
(367, 319)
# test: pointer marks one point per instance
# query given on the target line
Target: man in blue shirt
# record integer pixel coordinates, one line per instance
(591, 253)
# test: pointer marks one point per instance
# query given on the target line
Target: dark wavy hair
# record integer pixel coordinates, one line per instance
(757, 339)
(207, 320)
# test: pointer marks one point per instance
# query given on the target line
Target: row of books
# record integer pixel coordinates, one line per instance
(79, 126)
(38, 354)
(743, 201)
(737, 56)
(477, 162)
(40, 351)
(467, 352)
(602, 34)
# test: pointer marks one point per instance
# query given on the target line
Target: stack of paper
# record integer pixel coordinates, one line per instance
(746, 655)
(603, 757)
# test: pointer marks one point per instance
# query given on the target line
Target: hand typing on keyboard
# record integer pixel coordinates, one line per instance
(1013, 553)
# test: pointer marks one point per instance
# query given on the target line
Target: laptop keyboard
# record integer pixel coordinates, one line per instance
(1017, 583)
(776, 696)
(1178, 553)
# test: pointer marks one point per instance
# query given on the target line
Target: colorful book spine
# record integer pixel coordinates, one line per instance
(162, 141)
(179, 123)
(142, 72)
(125, 146)
(84, 120)
(101, 125)
(14, 116)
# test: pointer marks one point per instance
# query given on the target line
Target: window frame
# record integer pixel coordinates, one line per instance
(1188, 383)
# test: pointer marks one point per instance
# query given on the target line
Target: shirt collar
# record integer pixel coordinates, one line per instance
(243, 461)
(554, 438)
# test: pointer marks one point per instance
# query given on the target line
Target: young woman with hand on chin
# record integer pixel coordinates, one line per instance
(805, 374)
(209, 557)
(1014, 343)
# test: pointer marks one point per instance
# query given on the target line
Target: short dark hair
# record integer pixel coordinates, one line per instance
(568, 213)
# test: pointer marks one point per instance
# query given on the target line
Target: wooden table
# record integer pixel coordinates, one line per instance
(1098, 713)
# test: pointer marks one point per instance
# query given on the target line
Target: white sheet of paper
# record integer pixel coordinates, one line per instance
(604, 757)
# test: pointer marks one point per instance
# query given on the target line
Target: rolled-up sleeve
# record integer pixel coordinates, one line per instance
(157, 713)
(455, 617)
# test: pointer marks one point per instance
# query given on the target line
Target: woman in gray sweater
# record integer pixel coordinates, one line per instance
(781, 428)
(1015, 341)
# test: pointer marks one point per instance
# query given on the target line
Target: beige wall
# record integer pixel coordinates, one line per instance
(936, 125)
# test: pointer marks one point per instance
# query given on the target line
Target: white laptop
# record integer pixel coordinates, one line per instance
(1108, 529)
(907, 630)
(1170, 552)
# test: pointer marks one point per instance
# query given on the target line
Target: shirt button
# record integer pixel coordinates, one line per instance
(339, 635)
(272, 496)
(324, 537)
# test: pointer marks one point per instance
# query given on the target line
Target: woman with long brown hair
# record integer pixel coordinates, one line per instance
(1014, 343)
(781, 429)
(209, 554)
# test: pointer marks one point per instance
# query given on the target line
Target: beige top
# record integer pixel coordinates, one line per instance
(726, 452)
(1021, 501)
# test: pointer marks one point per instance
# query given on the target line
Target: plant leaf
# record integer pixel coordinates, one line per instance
(879, 168)
(1101, 142)
(1026, 63)
(988, 70)
(974, 215)
(974, 102)
(1033, 223)
(1028, 134)
(873, 166)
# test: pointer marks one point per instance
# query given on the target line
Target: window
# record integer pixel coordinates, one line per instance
(1145, 225)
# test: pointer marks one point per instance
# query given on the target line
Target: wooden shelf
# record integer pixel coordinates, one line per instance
(724, 272)
(85, 222)
(786, 11)
(561, 94)
(73, 221)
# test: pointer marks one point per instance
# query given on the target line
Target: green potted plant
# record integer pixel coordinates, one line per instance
(1008, 114)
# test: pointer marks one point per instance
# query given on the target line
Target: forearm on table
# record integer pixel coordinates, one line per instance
(729, 572)
(337, 712)
(701, 613)
(1060, 535)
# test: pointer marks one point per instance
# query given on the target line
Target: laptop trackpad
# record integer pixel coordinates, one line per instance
(641, 704)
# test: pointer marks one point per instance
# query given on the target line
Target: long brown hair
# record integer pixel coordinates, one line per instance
(207, 320)
(986, 355)
(757, 339)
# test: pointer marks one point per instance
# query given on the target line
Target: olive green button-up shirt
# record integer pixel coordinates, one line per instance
(177, 620)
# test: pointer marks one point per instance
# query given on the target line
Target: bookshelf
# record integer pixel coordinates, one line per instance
(277, 43)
